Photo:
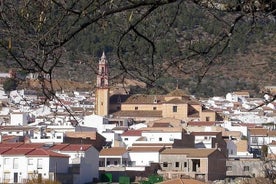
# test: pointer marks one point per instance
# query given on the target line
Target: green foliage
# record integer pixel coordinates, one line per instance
(264, 150)
(38, 180)
(10, 84)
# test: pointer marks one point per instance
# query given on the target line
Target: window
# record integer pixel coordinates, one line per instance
(228, 168)
(136, 108)
(154, 108)
(174, 108)
(15, 163)
(115, 162)
(165, 164)
(30, 161)
(160, 138)
(185, 164)
(39, 163)
(207, 118)
(126, 139)
(59, 137)
(108, 163)
(176, 164)
(6, 161)
(118, 108)
(245, 168)
(254, 139)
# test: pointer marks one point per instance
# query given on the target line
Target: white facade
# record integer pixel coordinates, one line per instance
(19, 118)
(98, 122)
(19, 168)
(164, 137)
(129, 140)
(139, 158)
(234, 126)
(204, 141)
(88, 160)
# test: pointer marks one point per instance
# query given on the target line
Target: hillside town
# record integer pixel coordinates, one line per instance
(111, 136)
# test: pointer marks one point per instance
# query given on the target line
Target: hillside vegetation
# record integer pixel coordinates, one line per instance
(247, 62)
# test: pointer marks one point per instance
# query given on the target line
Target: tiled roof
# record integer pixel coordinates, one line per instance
(71, 147)
(201, 123)
(162, 129)
(31, 145)
(161, 125)
(149, 144)
(138, 113)
(182, 181)
(92, 135)
(114, 151)
(258, 131)
(178, 92)
(271, 133)
(132, 133)
(4, 149)
(204, 133)
(144, 99)
(241, 93)
(172, 121)
(177, 101)
(146, 149)
(45, 153)
(11, 144)
(18, 151)
(190, 152)
(16, 128)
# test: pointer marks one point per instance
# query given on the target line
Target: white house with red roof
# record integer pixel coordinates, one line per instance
(130, 136)
(18, 164)
(83, 160)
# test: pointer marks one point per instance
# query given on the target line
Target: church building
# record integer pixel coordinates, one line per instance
(141, 107)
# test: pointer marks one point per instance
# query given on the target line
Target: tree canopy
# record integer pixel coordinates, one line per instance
(151, 38)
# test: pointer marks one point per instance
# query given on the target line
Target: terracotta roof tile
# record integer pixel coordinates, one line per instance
(45, 153)
(92, 135)
(258, 131)
(177, 101)
(190, 152)
(138, 113)
(162, 129)
(146, 149)
(182, 181)
(201, 123)
(149, 144)
(204, 133)
(178, 92)
(4, 149)
(144, 99)
(71, 147)
(11, 144)
(114, 151)
(132, 133)
(18, 151)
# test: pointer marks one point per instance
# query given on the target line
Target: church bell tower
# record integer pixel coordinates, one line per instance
(102, 91)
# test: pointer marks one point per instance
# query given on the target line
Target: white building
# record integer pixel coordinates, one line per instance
(84, 161)
(20, 164)
(19, 118)
(144, 156)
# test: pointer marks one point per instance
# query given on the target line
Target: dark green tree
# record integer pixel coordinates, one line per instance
(10, 84)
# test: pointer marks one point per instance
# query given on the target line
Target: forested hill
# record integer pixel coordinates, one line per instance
(244, 60)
